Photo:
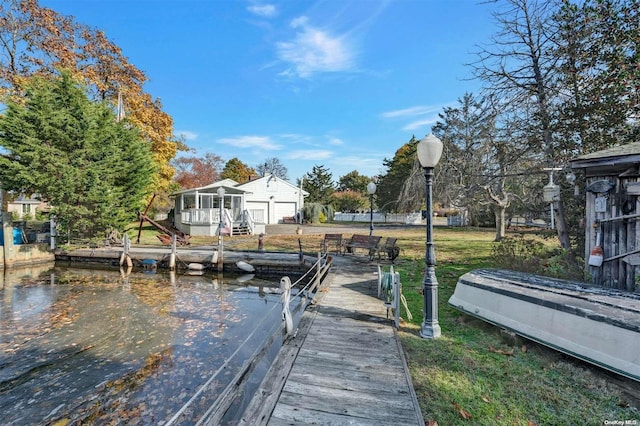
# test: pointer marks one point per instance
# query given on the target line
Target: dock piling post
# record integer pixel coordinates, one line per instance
(172, 256)
(124, 257)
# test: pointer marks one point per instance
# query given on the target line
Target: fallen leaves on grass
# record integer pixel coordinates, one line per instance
(500, 351)
(463, 413)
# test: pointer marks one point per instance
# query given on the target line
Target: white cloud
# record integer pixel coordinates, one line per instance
(187, 135)
(314, 50)
(300, 21)
(312, 154)
(263, 10)
(420, 123)
(411, 112)
(262, 142)
(420, 115)
(335, 141)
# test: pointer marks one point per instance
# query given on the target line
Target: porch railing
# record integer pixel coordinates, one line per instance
(247, 219)
(200, 217)
(211, 217)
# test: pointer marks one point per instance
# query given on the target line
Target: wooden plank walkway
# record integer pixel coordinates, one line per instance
(345, 366)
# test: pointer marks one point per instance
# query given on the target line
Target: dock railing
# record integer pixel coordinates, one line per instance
(214, 415)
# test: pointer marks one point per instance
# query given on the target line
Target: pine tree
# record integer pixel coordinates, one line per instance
(93, 171)
(319, 184)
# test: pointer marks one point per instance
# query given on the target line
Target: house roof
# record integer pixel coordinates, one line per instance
(229, 185)
(233, 187)
(614, 156)
(271, 177)
(23, 199)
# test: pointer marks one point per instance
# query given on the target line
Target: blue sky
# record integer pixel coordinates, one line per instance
(338, 83)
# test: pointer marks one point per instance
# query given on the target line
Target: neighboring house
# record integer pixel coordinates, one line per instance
(24, 207)
(612, 215)
(246, 208)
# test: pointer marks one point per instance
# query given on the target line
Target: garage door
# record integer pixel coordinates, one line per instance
(284, 210)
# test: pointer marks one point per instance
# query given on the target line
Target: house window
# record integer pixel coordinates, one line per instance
(189, 201)
(26, 209)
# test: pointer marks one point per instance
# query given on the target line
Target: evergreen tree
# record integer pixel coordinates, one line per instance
(57, 143)
(319, 185)
(354, 181)
(236, 170)
(399, 169)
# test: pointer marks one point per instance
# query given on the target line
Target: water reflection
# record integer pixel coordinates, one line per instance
(106, 346)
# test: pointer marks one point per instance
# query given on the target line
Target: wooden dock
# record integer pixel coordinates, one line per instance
(264, 262)
(344, 366)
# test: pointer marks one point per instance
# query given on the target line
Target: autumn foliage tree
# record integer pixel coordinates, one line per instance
(194, 172)
(348, 201)
(37, 41)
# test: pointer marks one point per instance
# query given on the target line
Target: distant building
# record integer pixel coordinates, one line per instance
(24, 207)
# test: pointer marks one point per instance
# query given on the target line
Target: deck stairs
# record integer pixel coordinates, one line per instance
(241, 229)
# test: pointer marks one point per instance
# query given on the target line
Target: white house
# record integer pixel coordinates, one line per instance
(246, 208)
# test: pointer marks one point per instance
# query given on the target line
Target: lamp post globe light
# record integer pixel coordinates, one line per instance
(429, 153)
(220, 191)
(371, 189)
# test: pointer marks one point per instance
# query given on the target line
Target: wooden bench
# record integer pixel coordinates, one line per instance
(367, 242)
(331, 240)
(289, 219)
(390, 248)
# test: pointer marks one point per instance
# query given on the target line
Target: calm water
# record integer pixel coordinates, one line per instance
(103, 347)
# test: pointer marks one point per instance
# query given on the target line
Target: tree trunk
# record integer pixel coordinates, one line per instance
(500, 214)
(561, 225)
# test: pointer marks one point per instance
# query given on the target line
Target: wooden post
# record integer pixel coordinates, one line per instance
(124, 257)
(172, 256)
(220, 250)
(53, 232)
(396, 297)
(7, 229)
(285, 287)
(318, 271)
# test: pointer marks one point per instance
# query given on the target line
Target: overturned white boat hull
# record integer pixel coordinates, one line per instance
(597, 325)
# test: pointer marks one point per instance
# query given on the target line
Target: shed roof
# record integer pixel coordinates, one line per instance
(614, 156)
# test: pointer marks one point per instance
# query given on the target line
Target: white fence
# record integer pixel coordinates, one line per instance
(406, 218)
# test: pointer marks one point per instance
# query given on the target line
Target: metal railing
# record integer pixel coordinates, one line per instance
(213, 414)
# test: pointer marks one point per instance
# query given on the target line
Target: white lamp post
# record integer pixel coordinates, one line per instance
(371, 189)
(429, 152)
(220, 193)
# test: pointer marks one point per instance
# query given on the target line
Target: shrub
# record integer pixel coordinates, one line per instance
(533, 256)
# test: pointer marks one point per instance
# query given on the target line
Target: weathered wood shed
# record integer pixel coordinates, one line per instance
(612, 214)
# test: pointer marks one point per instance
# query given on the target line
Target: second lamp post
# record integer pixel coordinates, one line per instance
(371, 189)
(429, 152)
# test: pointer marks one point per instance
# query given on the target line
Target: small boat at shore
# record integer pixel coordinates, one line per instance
(598, 325)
